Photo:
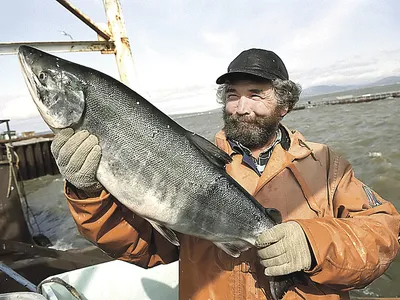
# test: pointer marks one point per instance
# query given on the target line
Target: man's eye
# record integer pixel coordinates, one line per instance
(232, 97)
(256, 97)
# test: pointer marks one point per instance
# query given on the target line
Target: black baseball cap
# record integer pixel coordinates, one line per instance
(257, 62)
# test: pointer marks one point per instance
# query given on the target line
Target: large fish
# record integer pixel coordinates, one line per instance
(173, 178)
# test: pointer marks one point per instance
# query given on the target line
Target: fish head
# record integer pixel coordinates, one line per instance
(55, 86)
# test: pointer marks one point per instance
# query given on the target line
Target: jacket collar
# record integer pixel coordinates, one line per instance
(280, 159)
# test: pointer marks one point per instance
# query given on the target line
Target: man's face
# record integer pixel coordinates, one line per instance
(251, 113)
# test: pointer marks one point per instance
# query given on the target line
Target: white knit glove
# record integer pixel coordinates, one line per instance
(78, 156)
(283, 249)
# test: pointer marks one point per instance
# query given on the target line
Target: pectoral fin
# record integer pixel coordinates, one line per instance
(165, 232)
(233, 249)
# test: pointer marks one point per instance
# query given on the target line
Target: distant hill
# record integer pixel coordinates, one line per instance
(385, 81)
(327, 89)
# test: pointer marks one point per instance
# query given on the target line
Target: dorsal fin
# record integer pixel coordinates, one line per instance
(210, 151)
(274, 214)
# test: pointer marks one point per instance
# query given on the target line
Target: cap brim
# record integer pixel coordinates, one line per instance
(223, 78)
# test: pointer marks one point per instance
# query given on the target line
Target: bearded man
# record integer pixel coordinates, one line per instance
(336, 232)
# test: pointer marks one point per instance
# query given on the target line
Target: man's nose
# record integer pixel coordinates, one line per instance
(243, 106)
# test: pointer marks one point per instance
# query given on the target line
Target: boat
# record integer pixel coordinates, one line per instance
(32, 270)
(26, 254)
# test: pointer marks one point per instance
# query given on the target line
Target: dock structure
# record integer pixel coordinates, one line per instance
(349, 100)
(33, 155)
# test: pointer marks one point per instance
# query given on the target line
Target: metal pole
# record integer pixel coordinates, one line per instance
(61, 46)
(85, 19)
(8, 127)
(8, 130)
(18, 278)
(123, 54)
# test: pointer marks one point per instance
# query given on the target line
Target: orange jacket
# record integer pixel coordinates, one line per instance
(353, 232)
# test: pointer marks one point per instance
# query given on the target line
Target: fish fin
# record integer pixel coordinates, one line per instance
(169, 234)
(279, 285)
(274, 214)
(234, 248)
(210, 151)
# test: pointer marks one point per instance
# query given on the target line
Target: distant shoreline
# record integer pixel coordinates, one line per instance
(199, 113)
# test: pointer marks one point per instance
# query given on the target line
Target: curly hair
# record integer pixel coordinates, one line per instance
(287, 93)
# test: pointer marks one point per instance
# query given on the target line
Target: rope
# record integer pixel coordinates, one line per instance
(19, 185)
(10, 162)
(58, 280)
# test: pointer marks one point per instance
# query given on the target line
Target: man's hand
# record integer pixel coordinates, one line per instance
(78, 156)
(284, 249)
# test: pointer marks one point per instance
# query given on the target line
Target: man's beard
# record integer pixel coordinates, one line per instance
(252, 132)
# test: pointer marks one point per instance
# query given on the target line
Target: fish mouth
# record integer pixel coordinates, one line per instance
(30, 78)
(25, 58)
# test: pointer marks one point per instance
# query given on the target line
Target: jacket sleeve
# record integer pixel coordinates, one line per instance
(117, 231)
(357, 244)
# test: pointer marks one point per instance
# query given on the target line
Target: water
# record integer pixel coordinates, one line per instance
(366, 134)
(46, 199)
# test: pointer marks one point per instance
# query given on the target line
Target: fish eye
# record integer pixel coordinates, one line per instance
(42, 75)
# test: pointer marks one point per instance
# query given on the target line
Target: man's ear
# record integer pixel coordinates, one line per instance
(284, 111)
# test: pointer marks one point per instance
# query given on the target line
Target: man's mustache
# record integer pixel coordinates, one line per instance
(244, 119)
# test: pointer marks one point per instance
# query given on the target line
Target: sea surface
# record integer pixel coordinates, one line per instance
(366, 134)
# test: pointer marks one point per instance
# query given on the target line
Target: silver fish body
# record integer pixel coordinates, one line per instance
(172, 177)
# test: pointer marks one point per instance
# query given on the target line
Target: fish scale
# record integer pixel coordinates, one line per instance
(173, 178)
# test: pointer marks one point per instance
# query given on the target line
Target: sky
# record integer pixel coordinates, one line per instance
(180, 47)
